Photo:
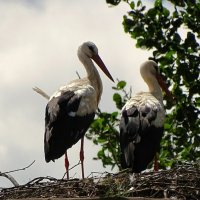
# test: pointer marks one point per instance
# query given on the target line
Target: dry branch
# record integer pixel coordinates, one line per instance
(11, 178)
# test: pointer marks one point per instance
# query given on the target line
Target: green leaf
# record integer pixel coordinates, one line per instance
(197, 101)
(113, 2)
(101, 154)
(170, 54)
(114, 114)
(152, 12)
(158, 3)
(101, 140)
(166, 12)
(117, 98)
(139, 3)
(121, 85)
(167, 126)
(132, 5)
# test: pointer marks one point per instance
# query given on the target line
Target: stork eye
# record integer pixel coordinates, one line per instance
(91, 48)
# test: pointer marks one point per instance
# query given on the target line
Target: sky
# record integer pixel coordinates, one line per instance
(38, 47)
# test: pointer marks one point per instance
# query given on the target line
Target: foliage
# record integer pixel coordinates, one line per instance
(172, 32)
(104, 130)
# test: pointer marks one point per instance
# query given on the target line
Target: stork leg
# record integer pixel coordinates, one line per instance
(82, 157)
(156, 163)
(67, 165)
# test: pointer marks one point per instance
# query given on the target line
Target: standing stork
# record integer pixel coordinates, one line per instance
(142, 120)
(71, 109)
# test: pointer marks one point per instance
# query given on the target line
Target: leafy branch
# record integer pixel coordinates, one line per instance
(159, 28)
(104, 130)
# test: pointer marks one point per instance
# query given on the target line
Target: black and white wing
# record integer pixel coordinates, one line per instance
(140, 135)
(63, 127)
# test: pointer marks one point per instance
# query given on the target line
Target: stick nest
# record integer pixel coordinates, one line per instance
(181, 182)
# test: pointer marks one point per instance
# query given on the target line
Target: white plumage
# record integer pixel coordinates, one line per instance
(145, 100)
(85, 91)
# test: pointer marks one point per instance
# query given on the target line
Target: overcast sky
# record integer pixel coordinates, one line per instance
(38, 47)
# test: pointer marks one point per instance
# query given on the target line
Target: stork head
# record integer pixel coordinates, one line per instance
(149, 71)
(90, 50)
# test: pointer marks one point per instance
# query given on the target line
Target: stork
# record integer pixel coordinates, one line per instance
(142, 121)
(71, 109)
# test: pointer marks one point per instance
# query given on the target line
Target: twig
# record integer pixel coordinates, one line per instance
(16, 170)
(90, 195)
(11, 178)
(78, 75)
(71, 168)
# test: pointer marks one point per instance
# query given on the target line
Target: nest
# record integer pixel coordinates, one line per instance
(181, 182)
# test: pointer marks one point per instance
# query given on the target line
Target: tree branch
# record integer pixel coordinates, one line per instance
(11, 178)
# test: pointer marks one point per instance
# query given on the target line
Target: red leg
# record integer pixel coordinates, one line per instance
(67, 165)
(156, 163)
(82, 156)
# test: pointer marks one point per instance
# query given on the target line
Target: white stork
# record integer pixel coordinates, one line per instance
(71, 109)
(142, 120)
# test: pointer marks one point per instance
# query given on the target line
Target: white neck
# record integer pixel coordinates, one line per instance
(148, 73)
(92, 74)
(154, 87)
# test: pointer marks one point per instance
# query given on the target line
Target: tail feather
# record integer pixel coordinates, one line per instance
(41, 92)
(129, 155)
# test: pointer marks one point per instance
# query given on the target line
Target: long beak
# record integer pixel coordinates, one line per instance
(100, 63)
(164, 86)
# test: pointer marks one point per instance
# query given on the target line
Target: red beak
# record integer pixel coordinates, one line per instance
(164, 86)
(100, 63)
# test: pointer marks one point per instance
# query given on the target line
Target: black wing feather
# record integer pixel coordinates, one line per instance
(61, 129)
(139, 139)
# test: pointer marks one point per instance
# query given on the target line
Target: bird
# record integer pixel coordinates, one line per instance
(142, 121)
(71, 109)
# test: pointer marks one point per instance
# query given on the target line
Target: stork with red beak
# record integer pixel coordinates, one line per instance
(71, 109)
(142, 121)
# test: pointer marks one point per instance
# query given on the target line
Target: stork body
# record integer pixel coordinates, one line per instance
(141, 125)
(71, 109)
